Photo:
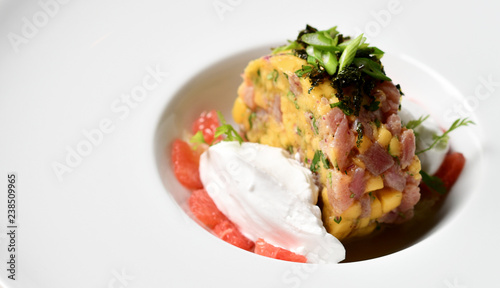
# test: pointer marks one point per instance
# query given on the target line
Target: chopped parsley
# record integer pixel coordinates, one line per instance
(319, 157)
(313, 119)
(377, 123)
(337, 219)
(352, 195)
(292, 98)
(299, 132)
(251, 118)
(273, 75)
(371, 196)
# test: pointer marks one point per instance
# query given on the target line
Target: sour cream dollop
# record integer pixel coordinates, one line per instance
(269, 195)
(432, 159)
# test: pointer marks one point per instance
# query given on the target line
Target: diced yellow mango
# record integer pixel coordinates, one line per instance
(364, 145)
(339, 230)
(363, 231)
(352, 212)
(363, 222)
(374, 183)
(376, 208)
(384, 136)
(415, 167)
(395, 147)
(239, 110)
(358, 162)
(389, 198)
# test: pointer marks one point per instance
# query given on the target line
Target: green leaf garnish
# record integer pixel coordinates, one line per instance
(315, 161)
(337, 219)
(319, 157)
(291, 46)
(371, 68)
(228, 130)
(347, 111)
(349, 53)
(443, 139)
(415, 123)
(330, 62)
(305, 70)
(197, 139)
(433, 182)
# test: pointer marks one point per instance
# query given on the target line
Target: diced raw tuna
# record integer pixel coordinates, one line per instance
(376, 159)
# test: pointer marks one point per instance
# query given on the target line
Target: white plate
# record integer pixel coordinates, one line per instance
(109, 221)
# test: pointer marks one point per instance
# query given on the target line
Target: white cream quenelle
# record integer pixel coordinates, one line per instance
(269, 195)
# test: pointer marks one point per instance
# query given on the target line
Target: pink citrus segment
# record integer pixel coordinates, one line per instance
(206, 123)
(204, 208)
(265, 249)
(186, 164)
(228, 232)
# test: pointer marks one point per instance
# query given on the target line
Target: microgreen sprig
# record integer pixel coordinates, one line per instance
(228, 130)
(443, 139)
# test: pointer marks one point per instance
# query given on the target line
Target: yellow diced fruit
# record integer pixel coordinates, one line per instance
(358, 162)
(389, 198)
(353, 211)
(363, 222)
(239, 109)
(364, 145)
(415, 167)
(374, 183)
(384, 136)
(395, 147)
(341, 229)
(376, 208)
(363, 231)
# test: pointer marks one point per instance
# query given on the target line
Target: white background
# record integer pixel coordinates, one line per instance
(110, 222)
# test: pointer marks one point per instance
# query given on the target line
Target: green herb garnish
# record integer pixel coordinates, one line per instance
(228, 130)
(342, 106)
(337, 219)
(197, 139)
(251, 118)
(292, 98)
(371, 68)
(433, 182)
(315, 161)
(304, 71)
(350, 51)
(313, 119)
(415, 123)
(443, 139)
(273, 75)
